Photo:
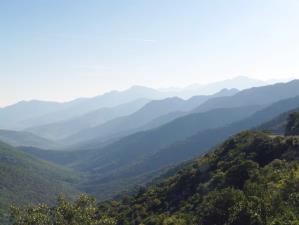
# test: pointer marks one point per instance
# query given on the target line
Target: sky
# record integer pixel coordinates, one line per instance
(63, 49)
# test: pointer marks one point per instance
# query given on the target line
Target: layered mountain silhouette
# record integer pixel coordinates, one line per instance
(142, 119)
(21, 138)
(140, 157)
(113, 144)
(60, 130)
(34, 113)
(156, 161)
(254, 96)
(157, 113)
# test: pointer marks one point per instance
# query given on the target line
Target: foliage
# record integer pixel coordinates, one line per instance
(24, 179)
(119, 167)
(251, 179)
(81, 212)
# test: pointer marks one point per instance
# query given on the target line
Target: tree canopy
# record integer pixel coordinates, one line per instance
(251, 179)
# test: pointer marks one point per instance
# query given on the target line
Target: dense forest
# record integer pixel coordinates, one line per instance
(251, 179)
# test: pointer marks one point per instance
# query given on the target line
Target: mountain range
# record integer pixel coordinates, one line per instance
(63, 129)
(159, 112)
(120, 142)
(251, 178)
(33, 113)
(143, 118)
(137, 158)
(155, 159)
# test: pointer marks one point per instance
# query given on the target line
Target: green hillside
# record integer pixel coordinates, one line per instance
(25, 179)
(250, 179)
(122, 168)
(137, 159)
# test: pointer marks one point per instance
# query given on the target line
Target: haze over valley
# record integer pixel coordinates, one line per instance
(149, 112)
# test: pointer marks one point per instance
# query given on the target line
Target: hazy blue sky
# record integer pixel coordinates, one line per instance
(62, 49)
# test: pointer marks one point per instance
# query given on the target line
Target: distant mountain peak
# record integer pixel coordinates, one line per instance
(228, 90)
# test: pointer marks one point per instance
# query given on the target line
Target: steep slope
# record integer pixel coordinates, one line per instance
(20, 138)
(206, 139)
(128, 124)
(141, 120)
(258, 96)
(139, 158)
(25, 179)
(210, 122)
(143, 169)
(277, 125)
(106, 163)
(66, 128)
(253, 96)
(250, 179)
(169, 133)
(164, 119)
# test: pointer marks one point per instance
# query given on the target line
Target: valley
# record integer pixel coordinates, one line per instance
(125, 154)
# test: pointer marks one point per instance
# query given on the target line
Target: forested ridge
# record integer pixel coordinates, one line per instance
(252, 178)
(149, 112)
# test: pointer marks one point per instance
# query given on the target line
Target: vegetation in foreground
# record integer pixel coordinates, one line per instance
(251, 179)
(81, 212)
(25, 179)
